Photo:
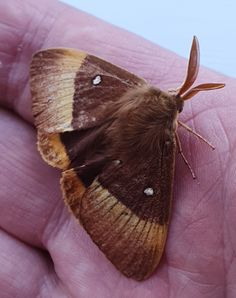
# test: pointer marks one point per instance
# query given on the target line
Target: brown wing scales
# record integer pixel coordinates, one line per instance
(91, 101)
(132, 244)
(65, 99)
(127, 225)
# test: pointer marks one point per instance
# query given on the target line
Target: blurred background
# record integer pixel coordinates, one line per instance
(172, 24)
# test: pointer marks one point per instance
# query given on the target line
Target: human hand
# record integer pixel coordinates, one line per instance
(44, 251)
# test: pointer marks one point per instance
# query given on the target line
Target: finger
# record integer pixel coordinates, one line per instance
(24, 271)
(27, 26)
(30, 198)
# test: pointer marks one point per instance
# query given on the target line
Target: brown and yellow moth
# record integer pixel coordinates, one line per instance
(114, 136)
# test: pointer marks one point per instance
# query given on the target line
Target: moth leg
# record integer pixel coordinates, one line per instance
(183, 156)
(196, 134)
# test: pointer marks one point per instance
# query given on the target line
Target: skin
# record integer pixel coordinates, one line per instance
(44, 251)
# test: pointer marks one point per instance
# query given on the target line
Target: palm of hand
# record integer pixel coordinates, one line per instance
(45, 252)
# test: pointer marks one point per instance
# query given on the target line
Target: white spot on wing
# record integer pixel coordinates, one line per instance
(97, 80)
(148, 191)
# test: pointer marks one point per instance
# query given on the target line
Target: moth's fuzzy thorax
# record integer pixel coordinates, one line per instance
(144, 119)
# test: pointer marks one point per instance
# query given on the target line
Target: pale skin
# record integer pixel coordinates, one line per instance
(44, 251)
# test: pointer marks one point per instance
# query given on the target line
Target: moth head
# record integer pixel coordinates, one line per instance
(185, 91)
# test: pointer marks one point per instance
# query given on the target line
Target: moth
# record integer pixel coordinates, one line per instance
(114, 137)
